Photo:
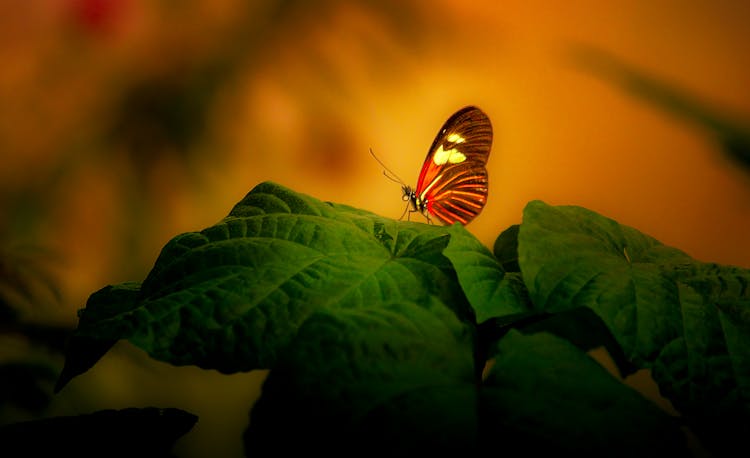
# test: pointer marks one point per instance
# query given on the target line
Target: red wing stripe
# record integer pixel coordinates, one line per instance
(476, 203)
(449, 213)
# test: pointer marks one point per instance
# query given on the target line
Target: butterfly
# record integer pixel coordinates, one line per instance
(453, 182)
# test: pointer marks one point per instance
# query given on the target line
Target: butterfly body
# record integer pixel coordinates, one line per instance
(453, 183)
(415, 203)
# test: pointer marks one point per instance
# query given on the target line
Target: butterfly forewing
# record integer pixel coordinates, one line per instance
(453, 182)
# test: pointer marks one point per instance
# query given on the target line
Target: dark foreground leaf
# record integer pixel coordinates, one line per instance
(544, 395)
(506, 248)
(83, 351)
(706, 372)
(23, 384)
(117, 433)
(397, 380)
(393, 379)
(584, 329)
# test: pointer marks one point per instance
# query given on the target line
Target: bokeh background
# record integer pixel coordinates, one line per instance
(126, 122)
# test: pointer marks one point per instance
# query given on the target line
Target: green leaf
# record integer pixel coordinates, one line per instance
(232, 296)
(688, 320)
(396, 378)
(129, 432)
(489, 290)
(544, 395)
(584, 329)
(83, 351)
(109, 302)
(706, 372)
(572, 257)
(506, 248)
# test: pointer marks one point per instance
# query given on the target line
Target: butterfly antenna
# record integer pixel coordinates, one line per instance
(387, 172)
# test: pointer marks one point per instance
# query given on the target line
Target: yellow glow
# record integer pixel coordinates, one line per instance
(455, 138)
(452, 155)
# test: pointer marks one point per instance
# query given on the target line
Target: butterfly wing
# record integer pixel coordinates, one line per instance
(453, 182)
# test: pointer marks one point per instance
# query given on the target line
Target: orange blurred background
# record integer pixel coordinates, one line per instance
(126, 122)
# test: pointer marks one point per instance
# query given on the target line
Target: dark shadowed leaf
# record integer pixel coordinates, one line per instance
(83, 351)
(23, 385)
(506, 249)
(545, 396)
(706, 372)
(395, 379)
(584, 329)
(118, 433)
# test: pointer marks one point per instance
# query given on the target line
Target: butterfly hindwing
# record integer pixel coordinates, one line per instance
(453, 182)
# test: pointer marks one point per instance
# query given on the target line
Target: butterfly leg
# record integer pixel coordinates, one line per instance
(407, 213)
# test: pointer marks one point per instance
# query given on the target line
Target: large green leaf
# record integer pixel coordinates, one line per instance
(688, 320)
(572, 257)
(233, 295)
(393, 379)
(545, 395)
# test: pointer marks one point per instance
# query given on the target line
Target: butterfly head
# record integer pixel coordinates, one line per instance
(415, 203)
(408, 194)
